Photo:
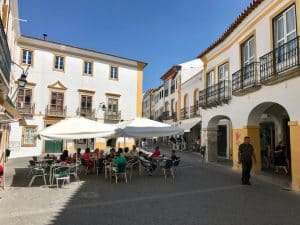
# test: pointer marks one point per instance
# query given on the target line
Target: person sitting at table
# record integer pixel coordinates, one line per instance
(101, 161)
(173, 155)
(148, 162)
(120, 159)
(120, 150)
(110, 157)
(156, 153)
(134, 153)
(64, 156)
(126, 153)
(87, 158)
(96, 153)
(78, 153)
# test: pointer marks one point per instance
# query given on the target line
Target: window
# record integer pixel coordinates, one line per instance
(24, 98)
(88, 68)
(57, 101)
(86, 102)
(114, 73)
(248, 52)
(223, 72)
(210, 78)
(285, 27)
(59, 63)
(166, 87)
(27, 57)
(112, 105)
(28, 136)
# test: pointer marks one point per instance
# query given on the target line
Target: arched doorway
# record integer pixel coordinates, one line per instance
(272, 119)
(219, 138)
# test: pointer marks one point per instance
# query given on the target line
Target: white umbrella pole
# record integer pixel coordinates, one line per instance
(124, 142)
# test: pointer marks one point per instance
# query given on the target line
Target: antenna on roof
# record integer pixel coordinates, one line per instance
(45, 36)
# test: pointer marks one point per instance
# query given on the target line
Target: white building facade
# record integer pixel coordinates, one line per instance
(66, 81)
(251, 79)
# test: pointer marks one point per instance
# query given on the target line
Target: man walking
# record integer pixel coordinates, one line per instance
(246, 153)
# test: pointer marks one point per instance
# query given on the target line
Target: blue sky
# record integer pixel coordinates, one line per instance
(160, 32)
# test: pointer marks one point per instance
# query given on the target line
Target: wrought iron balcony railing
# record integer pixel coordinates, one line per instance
(215, 95)
(26, 109)
(55, 111)
(112, 115)
(86, 112)
(5, 59)
(246, 78)
(276, 64)
(184, 113)
(194, 111)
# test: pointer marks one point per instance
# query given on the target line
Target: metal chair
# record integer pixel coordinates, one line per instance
(37, 172)
(130, 165)
(61, 173)
(168, 166)
(120, 170)
(74, 171)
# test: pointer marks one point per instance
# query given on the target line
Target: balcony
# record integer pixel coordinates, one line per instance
(215, 95)
(26, 109)
(112, 116)
(194, 111)
(184, 113)
(54, 111)
(280, 64)
(5, 59)
(246, 79)
(86, 112)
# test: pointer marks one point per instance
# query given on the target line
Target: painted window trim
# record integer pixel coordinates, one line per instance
(21, 57)
(118, 74)
(225, 77)
(23, 136)
(83, 65)
(54, 59)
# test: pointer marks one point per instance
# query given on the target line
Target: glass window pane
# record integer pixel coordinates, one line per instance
(280, 29)
(251, 48)
(290, 20)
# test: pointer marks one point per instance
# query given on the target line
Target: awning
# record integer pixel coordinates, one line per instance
(189, 123)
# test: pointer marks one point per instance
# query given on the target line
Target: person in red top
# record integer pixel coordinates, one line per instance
(87, 157)
(156, 153)
(1, 174)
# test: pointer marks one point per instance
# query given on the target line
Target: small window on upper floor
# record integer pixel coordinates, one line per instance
(114, 73)
(223, 72)
(59, 63)
(210, 78)
(27, 57)
(88, 68)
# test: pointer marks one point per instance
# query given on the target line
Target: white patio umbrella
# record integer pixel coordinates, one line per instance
(77, 128)
(146, 128)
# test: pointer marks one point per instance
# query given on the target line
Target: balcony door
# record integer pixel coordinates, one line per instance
(211, 89)
(57, 102)
(285, 41)
(24, 98)
(112, 106)
(86, 104)
(248, 61)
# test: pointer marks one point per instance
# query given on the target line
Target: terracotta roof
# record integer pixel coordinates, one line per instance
(253, 5)
(171, 72)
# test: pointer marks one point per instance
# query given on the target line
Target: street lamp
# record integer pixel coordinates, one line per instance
(22, 81)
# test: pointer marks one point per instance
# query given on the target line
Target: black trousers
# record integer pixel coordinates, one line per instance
(247, 166)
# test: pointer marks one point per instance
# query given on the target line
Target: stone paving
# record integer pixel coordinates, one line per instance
(200, 194)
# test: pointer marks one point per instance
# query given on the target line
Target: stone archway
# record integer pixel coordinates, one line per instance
(218, 138)
(269, 121)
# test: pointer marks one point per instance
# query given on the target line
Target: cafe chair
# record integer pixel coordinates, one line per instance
(168, 166)
(120, 170)
(37, 172)
(61, 173)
